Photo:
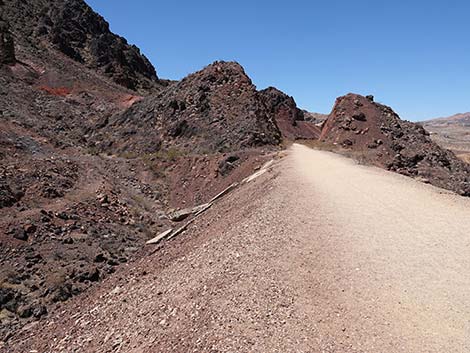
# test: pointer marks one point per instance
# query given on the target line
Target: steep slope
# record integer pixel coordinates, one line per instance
(375, 133)
(319, 255)
(55, 94)
(214, 110)
(70, 215)
(73, 28)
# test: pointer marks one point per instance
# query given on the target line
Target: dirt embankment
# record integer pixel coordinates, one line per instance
(290, 263)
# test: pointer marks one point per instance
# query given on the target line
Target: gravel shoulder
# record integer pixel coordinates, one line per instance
(318, 255)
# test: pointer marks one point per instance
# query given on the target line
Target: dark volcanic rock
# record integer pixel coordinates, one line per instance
(288, 117)
(7, 45)
(7, 197)
(76, 30)
(217, 109)
(377, 134)
(227, 165)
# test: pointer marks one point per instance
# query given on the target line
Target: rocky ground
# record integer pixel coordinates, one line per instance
(97, 151)
(309, 257)
(69, 219)
(375, 134)
(98, 154)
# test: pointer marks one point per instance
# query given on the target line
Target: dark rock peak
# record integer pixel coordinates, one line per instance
(219, 72)
(72, 27)
(289, 118)
(276, 100)
(216, 109)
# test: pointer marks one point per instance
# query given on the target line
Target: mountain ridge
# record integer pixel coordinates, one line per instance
(74, 29)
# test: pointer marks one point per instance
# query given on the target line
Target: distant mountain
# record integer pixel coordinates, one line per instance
(316, 118)
(461, 119)
(452, 132)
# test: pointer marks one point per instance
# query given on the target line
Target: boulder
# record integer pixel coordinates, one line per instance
(7, 45)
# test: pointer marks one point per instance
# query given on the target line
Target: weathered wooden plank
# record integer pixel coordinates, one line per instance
(160, 237)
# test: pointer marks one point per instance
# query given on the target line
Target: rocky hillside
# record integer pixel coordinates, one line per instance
(376, 134)
(90, 168)
(74, 29)
(290, 120)
(96, 151)
(217, 109)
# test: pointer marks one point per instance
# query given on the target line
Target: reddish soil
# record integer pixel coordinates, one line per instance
(128, 100)
(375, 134)
(56, 91)
(70, 219)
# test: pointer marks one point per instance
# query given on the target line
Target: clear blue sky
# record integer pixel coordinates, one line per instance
(412, 55)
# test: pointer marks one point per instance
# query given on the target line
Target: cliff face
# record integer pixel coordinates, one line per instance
(72, 27)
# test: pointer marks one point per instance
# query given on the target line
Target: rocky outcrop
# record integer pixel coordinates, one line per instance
(72, 27)
(7, 197)
(289, 118)
(217, 109)
(7, 45)
(376, 134)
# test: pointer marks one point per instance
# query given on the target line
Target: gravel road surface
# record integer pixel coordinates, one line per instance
(318, 255)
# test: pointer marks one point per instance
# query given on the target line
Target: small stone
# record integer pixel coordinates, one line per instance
(20, 234)
(100, 258)
(24, 311)
(359, 117)
(39, 311)
(29, 228)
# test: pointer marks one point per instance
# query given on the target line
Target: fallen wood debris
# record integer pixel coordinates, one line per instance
(160, 237)
(180, 215)
(224, 192)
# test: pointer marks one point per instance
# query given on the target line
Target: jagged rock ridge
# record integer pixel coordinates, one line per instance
(215, 109)
(72, 27)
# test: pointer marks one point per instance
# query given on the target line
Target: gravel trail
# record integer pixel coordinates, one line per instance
(318, 255)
